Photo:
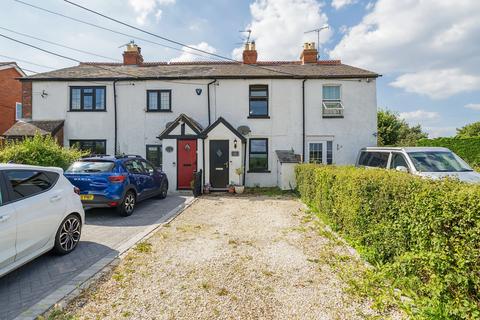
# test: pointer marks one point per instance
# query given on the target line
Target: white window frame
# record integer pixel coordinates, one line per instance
(324, 150)
(325, 102)
(17, 105)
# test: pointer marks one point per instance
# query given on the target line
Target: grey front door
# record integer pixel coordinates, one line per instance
(219, 163)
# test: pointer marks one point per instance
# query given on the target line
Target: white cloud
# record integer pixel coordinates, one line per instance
(473, 106)
(338, 4)
(419, 115)
(435, 132)
(437, 84)
(191, 55)
(417, 39)
(143, 8)
(278, 27)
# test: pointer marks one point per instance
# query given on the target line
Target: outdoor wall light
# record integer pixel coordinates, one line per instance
(235, 144)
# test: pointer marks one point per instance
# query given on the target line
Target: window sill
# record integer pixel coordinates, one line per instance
(87, 110)
(333, 117)
(258, 117)
(258, 171)
(158, 110)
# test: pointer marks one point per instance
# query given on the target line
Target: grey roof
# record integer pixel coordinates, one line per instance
(30, 128)
(205, 70)
(197, 127)
(288, 156)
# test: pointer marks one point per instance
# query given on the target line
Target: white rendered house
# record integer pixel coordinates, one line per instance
(263, 116)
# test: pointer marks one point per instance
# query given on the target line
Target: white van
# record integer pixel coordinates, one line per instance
(431, 162)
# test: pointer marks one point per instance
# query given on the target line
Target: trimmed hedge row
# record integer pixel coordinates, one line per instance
(423, 235)
(467, 148)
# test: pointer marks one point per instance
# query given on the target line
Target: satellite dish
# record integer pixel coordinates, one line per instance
(244, 130)
(168, 124)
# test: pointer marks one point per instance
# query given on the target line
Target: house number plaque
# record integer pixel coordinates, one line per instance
(235, 153)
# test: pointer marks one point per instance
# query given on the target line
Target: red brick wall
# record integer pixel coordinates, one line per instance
(10, 93)
(27, 99)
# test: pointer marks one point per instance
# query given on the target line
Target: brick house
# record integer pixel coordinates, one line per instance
(10, 94)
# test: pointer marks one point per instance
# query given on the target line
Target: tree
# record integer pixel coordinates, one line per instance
(470, 130)
(394, 131)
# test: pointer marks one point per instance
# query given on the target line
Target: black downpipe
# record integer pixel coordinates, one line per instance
(303, 120)
(244, 164)
(115, 114)
(208, 100)
(203, 162)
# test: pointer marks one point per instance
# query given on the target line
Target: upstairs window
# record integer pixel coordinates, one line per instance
(332, 103)
(258, 157)
(159, 100)
(18, 111)
(258, 101)
(87, 98)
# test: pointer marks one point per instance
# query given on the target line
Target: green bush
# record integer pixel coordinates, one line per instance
(467, 148)
(39, 150)
(422, 235)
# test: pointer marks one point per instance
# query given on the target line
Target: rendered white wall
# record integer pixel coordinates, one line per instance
(229, 99)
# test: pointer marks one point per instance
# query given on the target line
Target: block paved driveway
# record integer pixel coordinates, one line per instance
(104, 232)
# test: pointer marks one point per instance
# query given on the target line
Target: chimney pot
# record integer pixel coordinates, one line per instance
(132, 55)
(250, 53)
(309, 53)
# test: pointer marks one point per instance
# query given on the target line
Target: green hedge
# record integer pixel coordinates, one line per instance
(423, 235)
(41, 151)
(467, 148)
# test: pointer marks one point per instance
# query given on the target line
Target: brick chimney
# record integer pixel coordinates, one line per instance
(250, 53)
(132, 55)
(309, 53)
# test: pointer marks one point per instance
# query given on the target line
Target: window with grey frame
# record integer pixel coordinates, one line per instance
(332, 106)
(94, 146)
(154, 154)
(88, 99)
(316, 152)
(258, 155)
(258, 101)
(159, 100)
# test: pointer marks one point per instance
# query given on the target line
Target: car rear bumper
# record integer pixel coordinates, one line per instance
(101, 201)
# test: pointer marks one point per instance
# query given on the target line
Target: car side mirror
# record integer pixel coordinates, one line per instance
(401, 168)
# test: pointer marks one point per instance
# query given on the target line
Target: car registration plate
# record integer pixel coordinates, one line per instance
(86, 197)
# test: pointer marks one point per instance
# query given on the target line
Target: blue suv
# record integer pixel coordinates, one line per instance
(116, 181)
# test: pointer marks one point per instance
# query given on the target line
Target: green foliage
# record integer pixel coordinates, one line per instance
(393, 131)
(470, 130)
(422, 235)
(39, 150)
(467, 148)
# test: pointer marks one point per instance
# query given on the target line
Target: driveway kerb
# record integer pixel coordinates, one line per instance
(74, 287)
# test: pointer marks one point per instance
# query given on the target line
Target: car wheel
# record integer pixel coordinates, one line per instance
(163, 191)
(127, 206)
(68, 234)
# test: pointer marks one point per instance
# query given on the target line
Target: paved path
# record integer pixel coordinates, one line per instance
(103, 234)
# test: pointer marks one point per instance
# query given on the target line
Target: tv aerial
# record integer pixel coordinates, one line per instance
(325, 26)
(246, 40)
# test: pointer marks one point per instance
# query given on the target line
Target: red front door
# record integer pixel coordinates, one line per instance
(187, 162)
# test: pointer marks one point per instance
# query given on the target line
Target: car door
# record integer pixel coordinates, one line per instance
(8, 227)
(398, 160)
(39, 205)
(137, 176)
(154, 179)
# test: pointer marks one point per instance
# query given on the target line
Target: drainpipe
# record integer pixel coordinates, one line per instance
(115, 114)
(203, 162)
(208, 99)
(303, 120)
(244, 163)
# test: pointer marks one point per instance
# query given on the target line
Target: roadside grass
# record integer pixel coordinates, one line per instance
(270, 192)
(362, 280)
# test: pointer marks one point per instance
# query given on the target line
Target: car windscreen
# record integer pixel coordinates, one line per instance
(90, 166)
(438, 161)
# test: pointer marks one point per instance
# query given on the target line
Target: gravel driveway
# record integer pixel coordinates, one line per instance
(225, 257)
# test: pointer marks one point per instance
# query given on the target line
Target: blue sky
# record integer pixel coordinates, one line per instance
(428, 51)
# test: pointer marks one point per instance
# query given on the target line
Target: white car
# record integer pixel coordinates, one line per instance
(40, 210)
(430, 162)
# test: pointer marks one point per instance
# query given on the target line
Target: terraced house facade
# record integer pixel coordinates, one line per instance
(262, 116)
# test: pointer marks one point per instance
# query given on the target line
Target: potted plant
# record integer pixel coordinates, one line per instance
(231, 187)
(239, 188)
